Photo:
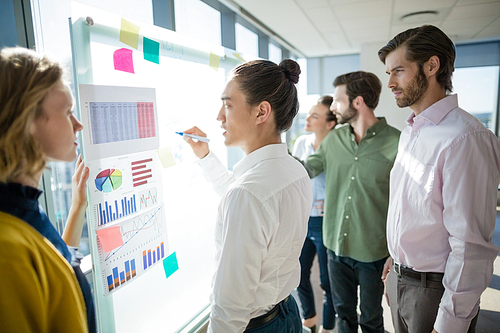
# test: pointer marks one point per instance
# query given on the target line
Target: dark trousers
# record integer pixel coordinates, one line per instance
(287, 321)
(346, 275)
(414, 307)
(312, 245)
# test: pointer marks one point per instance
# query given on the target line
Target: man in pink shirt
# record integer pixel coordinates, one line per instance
(443, 192)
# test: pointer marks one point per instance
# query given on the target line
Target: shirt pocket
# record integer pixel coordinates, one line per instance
(420, 185)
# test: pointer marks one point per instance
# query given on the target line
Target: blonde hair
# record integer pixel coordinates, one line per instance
(25, 79)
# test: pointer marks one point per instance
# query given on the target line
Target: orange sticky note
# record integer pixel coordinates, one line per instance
(110, 238)
(214, 61)
(122, 59)
(129, 33)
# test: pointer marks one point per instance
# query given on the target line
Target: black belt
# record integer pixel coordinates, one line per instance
(267, 317)
(402, 270)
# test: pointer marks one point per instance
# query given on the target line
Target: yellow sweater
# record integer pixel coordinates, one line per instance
(38, 289)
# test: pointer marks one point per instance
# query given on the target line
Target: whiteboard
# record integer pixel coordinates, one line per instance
(187, 76)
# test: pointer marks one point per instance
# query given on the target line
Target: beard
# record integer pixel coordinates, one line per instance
(415, 90)
(350, 114)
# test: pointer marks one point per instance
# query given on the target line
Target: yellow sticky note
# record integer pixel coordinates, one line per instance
(214, 61)
(129, 34)
(237, 56)
(166, 157)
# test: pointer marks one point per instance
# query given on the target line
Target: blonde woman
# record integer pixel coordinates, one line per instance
(319, 122)
(43, 287)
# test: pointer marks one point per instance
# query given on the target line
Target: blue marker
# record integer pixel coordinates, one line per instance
(196, 137)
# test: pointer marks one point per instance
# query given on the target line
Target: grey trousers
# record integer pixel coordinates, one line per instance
(414, 308)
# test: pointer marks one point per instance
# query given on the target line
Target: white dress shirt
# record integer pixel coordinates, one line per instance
(442, 208)
(302, 149)
(260, 229)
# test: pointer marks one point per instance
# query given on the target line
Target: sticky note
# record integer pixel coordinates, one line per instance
(237, 56)
(129, 34)
(110, 238)
(122, 58)
(170, 264)
(166, 157)
(151, 50)
(214, 61)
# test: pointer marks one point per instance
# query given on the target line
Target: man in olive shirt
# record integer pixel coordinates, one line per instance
(357, 160)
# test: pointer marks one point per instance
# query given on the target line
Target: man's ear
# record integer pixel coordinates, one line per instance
(264, 112)
(432, 65)
(358, 102)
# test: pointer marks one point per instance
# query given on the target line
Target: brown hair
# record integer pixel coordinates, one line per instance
(421, 44)
(25, 79)
(263, 80)
(327, 101)
(364, 84)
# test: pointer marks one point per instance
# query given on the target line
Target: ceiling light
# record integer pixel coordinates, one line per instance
(420, 16)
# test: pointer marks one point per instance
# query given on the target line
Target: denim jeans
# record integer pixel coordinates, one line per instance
(287, 321)
(345, 276)
(312, 245)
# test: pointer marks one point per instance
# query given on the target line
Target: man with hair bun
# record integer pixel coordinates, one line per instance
(444, 185)
(262, 218)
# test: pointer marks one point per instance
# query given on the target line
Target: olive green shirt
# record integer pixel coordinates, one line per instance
(357, 189)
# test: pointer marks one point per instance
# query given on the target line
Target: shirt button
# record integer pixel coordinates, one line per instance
(374, 133)
(345, 234)
(349, 197)
(356, 158)
(352, 178)
(347, 216)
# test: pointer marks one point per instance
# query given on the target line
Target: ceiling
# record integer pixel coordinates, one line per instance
(316, 28)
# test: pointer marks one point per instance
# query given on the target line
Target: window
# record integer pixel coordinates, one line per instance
(197, 19)
(247, 41)
(275, 53)
(477, 89)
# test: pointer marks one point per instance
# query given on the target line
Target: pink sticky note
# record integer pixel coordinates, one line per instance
(110, 238)
(122, 59)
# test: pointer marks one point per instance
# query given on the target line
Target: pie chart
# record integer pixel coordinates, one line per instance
(108, 180)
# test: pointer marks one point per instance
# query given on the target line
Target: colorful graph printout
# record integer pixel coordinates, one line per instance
(144, 246)
(108, 180)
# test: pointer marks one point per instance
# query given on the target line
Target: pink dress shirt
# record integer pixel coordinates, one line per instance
(442, 208)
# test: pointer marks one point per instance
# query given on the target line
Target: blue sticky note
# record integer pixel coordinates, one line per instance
(170, 264)
(151, 50)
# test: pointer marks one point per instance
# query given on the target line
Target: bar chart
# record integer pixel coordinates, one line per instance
(106, 212)
(119, 277)
(151, 256)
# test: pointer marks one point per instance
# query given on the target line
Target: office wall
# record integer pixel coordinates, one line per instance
(387, 107)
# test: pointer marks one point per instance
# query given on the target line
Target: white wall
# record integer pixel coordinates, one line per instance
(387, 107)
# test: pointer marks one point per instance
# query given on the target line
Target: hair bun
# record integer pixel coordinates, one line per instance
(291, 70)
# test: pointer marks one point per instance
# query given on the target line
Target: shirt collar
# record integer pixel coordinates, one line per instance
(14, 194)
(267, 152)
(437, 111)
(376, 128)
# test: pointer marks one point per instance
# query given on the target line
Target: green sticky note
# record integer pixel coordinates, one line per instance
(151, 50)
(170, 264)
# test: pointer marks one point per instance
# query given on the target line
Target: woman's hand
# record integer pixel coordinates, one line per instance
(79, 185)
(74, 224)
(200, 149)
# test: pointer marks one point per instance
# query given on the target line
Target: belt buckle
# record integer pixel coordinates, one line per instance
(397, 268)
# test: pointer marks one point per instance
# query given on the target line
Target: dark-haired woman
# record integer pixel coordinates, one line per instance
(262, 218)
(320, 121)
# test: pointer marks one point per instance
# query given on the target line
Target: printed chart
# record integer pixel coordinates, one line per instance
(142, 242)
(121, 121)
(108, 180)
